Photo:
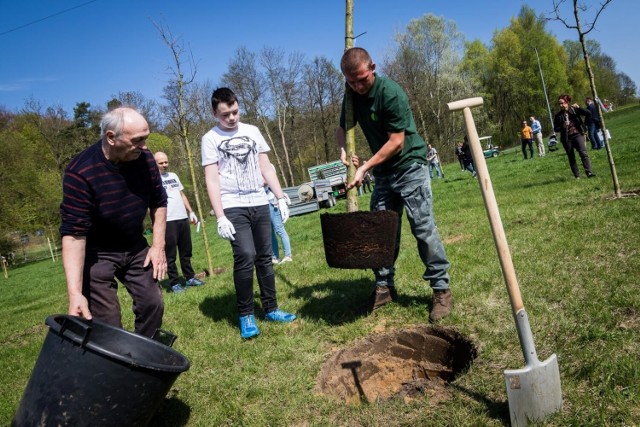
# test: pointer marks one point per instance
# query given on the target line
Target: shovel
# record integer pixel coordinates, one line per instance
(534, 391)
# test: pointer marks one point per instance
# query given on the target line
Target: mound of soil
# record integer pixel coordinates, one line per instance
(408, 363)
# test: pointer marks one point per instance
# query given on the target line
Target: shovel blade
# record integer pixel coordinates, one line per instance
(534, 391)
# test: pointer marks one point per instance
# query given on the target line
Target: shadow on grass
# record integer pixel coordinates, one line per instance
(340, 302)
(172, 413)
(221, 308)
(496, 410)
(335, 302)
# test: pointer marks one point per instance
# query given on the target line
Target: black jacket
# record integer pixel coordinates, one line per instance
(595, 116)
(575, 116)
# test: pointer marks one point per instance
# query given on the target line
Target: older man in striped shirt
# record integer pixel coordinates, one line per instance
(107, 190)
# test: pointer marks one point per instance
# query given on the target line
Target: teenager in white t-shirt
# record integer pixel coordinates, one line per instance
(236, 167)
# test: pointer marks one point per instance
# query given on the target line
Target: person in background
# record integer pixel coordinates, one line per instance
(107, 190)
(536, 128)
(434, 162)
(460, 155)
(382, 110)
(236, 167)
(277, 229)
(178, 235)
(594, 125)
(366, 181)
(467, 157)
(568, 123)
(525, 139)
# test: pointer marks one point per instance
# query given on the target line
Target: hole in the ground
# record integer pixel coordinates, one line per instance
(407, 363)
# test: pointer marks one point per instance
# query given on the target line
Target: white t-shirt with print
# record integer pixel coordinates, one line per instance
(236, 152)
(175, 206)
(432, 155)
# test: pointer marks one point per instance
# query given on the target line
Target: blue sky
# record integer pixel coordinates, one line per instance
(91, 50)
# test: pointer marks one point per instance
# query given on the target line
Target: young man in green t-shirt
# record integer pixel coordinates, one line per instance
(399, 165)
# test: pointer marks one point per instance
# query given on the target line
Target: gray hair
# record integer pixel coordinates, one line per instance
(114, 121)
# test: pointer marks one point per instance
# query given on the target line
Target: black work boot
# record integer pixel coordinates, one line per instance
(441, 306)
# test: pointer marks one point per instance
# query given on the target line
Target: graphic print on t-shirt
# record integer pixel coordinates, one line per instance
(240, 155)
(170, 183)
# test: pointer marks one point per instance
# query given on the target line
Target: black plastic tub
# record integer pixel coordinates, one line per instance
(92, 374)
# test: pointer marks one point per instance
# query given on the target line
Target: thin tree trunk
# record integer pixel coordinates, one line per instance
(184, 133)
(352, 194)
(594, 92)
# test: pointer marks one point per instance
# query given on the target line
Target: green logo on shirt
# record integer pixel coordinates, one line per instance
(373, 116)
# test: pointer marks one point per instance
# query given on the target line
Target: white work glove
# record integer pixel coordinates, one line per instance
(286, 197)
(225, 229)
(193, 218)
(284, 209)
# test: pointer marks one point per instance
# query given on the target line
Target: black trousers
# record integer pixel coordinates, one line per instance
(576, 143)
(252, 248)
(101, 268)
(178, 239)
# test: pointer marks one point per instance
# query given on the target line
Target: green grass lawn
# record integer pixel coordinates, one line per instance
(576, 255)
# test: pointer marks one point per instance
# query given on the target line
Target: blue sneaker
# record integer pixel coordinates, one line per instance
(194, 282)
(278, 315)
(176, 289)
(248, 327)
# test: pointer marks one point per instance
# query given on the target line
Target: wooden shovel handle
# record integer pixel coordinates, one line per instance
(500, 239)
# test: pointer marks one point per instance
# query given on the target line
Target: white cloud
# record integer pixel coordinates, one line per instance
(24, 84)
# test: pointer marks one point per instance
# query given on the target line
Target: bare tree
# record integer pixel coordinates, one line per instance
(148, 107)
(582, 32)
(284, 85)
(180, 117)
(250, 85)
(324, 84)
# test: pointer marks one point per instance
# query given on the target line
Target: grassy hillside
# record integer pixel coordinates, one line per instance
(576, 254)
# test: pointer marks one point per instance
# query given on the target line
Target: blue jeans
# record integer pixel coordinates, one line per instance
(596, 142)
(411, 189)
(435, 166)
(277, 228)
(252, 247)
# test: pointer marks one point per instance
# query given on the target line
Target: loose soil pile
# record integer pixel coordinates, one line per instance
(406, 363)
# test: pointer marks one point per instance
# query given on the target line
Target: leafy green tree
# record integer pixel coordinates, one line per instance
(513, 74)
(30, 198)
